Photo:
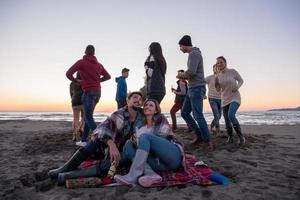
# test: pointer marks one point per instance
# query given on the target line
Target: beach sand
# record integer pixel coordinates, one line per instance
(267, 167)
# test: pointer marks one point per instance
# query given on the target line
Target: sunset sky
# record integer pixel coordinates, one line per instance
(40, 40)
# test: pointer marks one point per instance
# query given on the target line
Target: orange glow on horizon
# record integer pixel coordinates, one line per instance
(111, 106)
(50, 106)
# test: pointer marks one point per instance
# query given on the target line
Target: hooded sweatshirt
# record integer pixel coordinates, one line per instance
(121, 88)
(91, 71)
(195, 72)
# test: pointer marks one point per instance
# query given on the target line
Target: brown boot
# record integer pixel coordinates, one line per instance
(198, 139)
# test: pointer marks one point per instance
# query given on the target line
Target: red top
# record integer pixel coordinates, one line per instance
(91, 72)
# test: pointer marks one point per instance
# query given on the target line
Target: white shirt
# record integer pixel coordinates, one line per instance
(143, 130)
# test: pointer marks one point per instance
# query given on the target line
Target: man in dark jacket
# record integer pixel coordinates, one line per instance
(122, 88)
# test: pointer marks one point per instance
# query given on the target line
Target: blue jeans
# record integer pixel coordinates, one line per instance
(163, 154)
(215, 105)
(229, 112)
(89, 100)
(193, 102)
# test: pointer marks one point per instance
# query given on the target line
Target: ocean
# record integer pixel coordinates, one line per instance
(245, 118)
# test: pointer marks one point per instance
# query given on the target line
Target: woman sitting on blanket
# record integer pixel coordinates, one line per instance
(154, 148)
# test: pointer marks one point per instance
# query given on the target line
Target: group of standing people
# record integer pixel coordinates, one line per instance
(223, 94)
(143, 136)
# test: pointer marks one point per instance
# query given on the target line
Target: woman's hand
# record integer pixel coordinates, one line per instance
(113, 152)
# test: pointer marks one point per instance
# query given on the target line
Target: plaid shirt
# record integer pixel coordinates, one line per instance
(118, 127)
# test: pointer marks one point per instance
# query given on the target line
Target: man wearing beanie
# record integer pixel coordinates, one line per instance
(194, 99)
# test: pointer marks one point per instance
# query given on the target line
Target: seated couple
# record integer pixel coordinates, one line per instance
(142, 136)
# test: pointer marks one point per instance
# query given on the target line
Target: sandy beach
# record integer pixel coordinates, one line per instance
(267, 167)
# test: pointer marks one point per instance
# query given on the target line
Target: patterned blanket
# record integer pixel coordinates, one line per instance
(198, 175)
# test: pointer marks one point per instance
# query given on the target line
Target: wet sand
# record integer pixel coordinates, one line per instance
(267, 167)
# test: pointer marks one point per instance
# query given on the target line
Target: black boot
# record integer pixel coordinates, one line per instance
(238, 130)
(230, 137)
(77, 158)
(92, 171)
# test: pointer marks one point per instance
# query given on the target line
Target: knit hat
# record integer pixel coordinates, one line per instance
(185, 41)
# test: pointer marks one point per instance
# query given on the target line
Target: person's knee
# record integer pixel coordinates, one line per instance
(231, 117)
(90, 148)
(184, 114)
(144, 137)
(198, 116)
(172, 112)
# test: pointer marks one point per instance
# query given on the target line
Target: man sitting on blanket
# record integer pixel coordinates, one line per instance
(116, 130)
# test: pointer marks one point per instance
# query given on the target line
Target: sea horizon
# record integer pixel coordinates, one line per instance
(245, 117)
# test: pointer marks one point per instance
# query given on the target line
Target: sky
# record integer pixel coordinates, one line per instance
(40, 40)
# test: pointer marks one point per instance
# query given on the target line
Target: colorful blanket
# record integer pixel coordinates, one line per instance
(198, 175)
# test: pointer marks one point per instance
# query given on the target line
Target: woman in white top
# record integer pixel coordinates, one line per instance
(156, 149)
(228, 81)
(214, 98)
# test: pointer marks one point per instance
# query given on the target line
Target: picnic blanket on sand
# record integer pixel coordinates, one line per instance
(198, 175)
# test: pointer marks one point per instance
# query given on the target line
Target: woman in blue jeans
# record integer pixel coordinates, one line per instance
(214, 99)
(228, 81)
(154, 148)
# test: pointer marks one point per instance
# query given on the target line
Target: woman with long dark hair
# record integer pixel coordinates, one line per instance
(156, 68)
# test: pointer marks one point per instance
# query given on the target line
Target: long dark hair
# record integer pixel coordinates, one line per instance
(156, 51)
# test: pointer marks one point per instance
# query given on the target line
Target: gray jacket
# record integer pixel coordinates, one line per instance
(195, 72)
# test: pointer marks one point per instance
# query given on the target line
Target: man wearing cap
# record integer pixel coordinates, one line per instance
(121, 94)
(194, 99)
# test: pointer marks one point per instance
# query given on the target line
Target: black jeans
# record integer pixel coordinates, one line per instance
(157, 97)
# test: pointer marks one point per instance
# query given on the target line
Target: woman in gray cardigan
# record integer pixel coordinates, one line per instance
(228, 81)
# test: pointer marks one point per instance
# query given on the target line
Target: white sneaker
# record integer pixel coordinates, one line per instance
(81, 144)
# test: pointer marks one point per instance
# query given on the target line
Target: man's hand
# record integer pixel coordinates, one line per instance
(113, 152)
(133, 139)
